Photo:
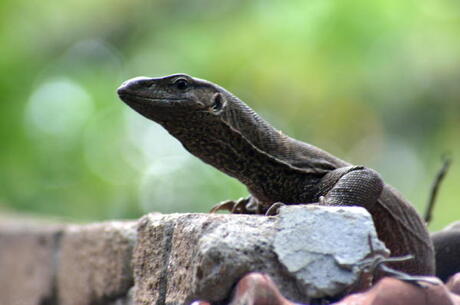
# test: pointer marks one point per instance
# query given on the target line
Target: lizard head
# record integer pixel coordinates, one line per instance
(174, 97)
(209, 121)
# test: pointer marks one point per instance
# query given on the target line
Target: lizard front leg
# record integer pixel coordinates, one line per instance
(357, 186)
(353, 185)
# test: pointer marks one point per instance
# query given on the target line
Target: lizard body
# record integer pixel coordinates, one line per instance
(224, 132)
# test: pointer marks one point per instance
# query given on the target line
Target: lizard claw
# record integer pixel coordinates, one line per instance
(322, 200)
(226, 205)
(274, 209)
(235, 207)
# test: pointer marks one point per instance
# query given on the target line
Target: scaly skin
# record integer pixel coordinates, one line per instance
(224, 132)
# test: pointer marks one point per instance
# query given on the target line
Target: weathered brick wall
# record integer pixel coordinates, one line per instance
(47, 264)
(178, 258)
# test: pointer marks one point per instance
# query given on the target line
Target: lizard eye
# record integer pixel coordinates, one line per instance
(181, 84)
(218, 103)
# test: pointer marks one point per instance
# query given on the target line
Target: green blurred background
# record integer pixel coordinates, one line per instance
(373, 82)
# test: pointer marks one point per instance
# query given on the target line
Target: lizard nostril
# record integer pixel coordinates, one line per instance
(122, 90)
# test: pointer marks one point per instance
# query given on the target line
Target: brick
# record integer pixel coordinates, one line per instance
(28, 262)
(95, 263)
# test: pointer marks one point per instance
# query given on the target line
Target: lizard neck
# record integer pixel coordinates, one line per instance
(227, 148)
(246, 147)
(242, 120)
(229, 151)
(245, 122)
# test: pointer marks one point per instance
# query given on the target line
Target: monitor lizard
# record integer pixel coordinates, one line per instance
(221, 130)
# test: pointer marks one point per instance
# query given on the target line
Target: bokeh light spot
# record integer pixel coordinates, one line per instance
(58, 108)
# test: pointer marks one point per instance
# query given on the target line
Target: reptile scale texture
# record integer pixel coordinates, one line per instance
(221, 130)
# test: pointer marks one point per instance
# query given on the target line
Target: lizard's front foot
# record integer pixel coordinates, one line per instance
(235, 207)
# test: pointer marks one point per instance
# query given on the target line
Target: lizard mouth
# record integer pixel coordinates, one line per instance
(131, 98)
(143, 96)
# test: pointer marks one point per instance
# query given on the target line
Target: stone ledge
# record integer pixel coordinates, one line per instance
(183, 257)
(178, 258)
(65, 264)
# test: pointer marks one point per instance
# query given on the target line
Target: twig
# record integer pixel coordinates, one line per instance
(446, 159)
